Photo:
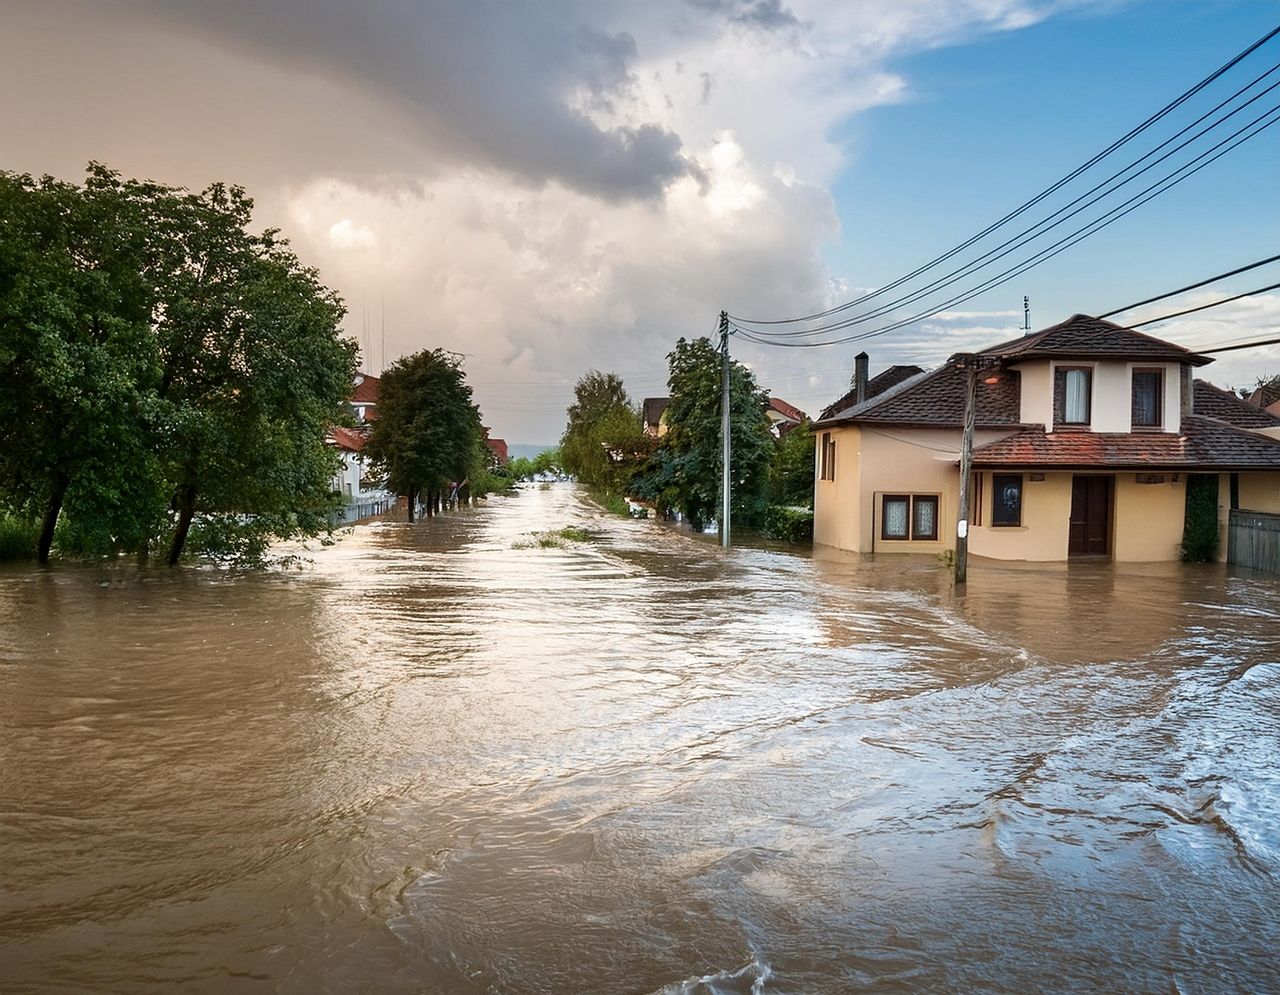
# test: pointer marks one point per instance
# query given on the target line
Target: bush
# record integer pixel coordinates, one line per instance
(18, 538)
(788, 523)
(1200, 530)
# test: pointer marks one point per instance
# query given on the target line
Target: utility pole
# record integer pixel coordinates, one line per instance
(969, 363)
(726, 481)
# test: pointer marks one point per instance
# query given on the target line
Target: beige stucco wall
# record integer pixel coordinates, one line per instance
(1046, 514)
(1112, 401)
(835, 502)
(1147, 519)
(1260, 491)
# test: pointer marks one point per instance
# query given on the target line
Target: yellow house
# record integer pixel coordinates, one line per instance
(1085, 434)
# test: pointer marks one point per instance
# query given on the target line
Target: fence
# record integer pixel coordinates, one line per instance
(1253, 540)
(357, 510)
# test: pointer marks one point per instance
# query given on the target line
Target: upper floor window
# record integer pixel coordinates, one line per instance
(1072, 395)
(1148, 389)
(827, 461)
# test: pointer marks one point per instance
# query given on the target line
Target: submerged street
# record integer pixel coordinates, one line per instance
(442, 758)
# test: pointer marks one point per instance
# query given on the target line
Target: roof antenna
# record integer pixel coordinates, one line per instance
(1026, 315)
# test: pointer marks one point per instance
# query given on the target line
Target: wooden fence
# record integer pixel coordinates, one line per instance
(1253, 540)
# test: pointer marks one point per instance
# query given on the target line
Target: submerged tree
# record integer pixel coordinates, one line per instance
(428, 433)
(686, 471)
(162, 364)
(604, 442)
(792, 467)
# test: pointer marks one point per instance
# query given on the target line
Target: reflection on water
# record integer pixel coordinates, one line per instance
(432, 762)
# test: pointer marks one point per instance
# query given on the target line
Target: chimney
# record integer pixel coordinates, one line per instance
(860, 364)
(1188, 391)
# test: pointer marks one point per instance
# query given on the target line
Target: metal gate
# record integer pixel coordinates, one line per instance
(1253, 540)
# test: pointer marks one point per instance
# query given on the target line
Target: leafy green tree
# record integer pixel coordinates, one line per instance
(254, 369)
(428, 433)
(547, 461)
(604, 442)
(686, 471)
(75, 348)
(791, 468)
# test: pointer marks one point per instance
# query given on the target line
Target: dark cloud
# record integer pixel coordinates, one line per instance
(770, 15)
(499, 84)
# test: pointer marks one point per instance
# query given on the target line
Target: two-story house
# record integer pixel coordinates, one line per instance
(1085, 434)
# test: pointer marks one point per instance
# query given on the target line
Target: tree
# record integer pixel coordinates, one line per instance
(686, 471)
(791, 468)
(75, 345)
(428, 433)
(163, 366)
(604, 442)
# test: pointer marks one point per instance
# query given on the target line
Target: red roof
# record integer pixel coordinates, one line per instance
(1205, 444)
(347, 438)
(366, 389)
(499, 448)
(787, 410)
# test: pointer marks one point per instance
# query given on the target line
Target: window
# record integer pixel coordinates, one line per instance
(827, 464)
(1072, 390)
(1148, 388)
(909, 516)
(1006, 499)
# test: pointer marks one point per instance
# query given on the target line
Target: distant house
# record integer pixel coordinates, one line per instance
(364, 496)
(498, 447)
(652, 414)
(1085, 435)
(1267, 396)
(783, 417)
(364, 397)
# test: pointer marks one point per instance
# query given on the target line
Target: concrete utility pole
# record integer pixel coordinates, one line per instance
(969, 364)
(726, 484)
(726, 480)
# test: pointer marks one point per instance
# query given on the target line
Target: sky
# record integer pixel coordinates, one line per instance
(565, 185)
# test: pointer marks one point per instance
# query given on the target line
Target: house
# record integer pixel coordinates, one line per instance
(783, 417)
(497, 449)
(364, 397)
(1085, 434)
(651, 416)
(1267, 396)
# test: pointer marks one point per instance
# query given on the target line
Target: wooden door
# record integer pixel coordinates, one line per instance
(1090, 533)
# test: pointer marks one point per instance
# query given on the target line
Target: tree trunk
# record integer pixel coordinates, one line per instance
(186, 511)
(413, 497)
(428, 507)
(51, 520)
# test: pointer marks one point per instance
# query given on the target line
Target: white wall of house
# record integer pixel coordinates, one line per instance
(1111, 407)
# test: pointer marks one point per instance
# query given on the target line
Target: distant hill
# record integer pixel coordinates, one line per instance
(527, 449)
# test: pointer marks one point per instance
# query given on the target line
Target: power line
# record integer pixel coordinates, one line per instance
(1031, 234)
(1092, 228)
(1244, 345)
(1163, 112)
(1192, 286)
(1205, 307)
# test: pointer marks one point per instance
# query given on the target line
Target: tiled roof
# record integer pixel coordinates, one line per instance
(365, 390)
(1205, 444)
(1082, 336)
(1214, 402)
(347, 438)
(787, 410)
(877, 385)
(936, 398)
(1266, 394)
(651, 412)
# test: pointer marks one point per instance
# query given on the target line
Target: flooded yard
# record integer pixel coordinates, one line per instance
(444, 758)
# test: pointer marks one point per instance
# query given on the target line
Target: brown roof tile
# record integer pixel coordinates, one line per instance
(877, 385)
(1082, 336)
(937, 398)
(1214, 402)
(1205, 444)
(365, 390)
(347, 438)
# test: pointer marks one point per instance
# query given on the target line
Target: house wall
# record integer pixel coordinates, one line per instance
(1112, 401)
(1148, 519)
(1046, 516)
(835, 502)
(1258, 491)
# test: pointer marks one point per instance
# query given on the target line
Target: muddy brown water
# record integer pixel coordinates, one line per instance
(432, 762)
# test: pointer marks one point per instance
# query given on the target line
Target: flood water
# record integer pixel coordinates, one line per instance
(435, 760)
